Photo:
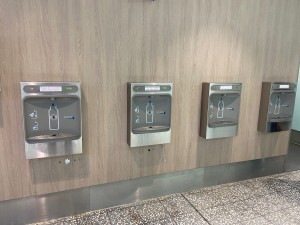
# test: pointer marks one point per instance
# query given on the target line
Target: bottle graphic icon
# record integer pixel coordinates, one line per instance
(277, 106)
(220, 113)
(53, 115)
(149, 112)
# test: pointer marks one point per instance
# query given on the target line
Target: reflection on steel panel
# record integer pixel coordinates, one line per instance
(149, 113)
(220, 110)
(276, 106)
(52, 118)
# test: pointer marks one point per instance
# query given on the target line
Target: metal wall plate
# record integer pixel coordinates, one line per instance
(149, 113)
(220, 107)
(52, 118)
(276, 106)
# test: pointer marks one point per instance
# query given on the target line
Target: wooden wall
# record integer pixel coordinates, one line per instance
(106, 43)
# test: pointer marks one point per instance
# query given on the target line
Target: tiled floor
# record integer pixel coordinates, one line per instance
(267, 200)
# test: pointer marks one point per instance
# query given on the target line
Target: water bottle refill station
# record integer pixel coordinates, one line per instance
(220, 110)
(276, 106)
(52, 118)
(149, 113)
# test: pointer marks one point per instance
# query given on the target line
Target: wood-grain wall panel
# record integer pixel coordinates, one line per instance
(106, 43)
(12, 161)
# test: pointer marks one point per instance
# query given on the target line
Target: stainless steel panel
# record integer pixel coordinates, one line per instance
(145, 188)
(276, 106)
(221, 132)
(151, 128)
(43, 208)
(150, 139)
(109, 195)
(58, 139)
(50, 149)
(293, 158)
(295, 137)
(220, 110)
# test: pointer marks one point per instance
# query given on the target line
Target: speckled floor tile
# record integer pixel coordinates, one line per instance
(295, 184)
(280, 200)
(218, 215)
(241, 211)
(124, 215)
(166, 221)
(292, 194)
(201, 200)
(152, 211)
(223, 221)
(255, 221)
(277, 184)
(208, 198)
(224, 196)
(190, 219)
(281, 217)
(267, 204)
(240, 192)
(71, 220)
(99, 217)
(294, 212)
(259, 187)
(176, 205)
(292, 176)
(294, 179)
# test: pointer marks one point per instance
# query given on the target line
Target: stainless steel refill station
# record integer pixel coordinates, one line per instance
(276, 106)
(149, 113)
(220, 110)
(52, 118)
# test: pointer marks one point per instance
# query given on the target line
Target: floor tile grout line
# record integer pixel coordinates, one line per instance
(109, 220)
(167, 212)
(195, 208)
(159, 201)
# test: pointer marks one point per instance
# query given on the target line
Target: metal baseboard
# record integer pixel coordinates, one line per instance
(46, 207)
(295, 137)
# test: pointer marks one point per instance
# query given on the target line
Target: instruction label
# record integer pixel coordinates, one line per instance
(152, 88)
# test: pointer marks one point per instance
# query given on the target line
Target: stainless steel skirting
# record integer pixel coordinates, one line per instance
(46, 207)
(295, 137)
